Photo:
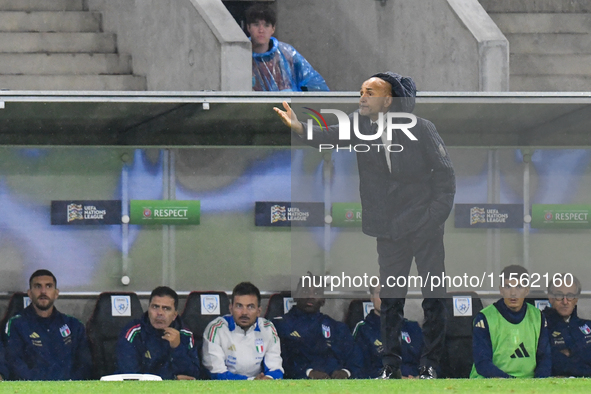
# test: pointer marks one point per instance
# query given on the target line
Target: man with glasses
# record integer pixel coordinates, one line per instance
(570, 336)
(510, 338)
(242, 345)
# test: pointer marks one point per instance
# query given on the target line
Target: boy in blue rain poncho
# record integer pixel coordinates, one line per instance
(276, 65)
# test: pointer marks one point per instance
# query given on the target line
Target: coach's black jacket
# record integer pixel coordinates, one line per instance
(417, 196)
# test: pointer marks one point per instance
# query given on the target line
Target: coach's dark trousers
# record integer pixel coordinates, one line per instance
(395, 259)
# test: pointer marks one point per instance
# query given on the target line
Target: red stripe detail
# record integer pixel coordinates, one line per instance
(213, 328)
(321, 117)
(131, 329)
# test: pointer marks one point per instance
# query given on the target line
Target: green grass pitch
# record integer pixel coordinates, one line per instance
(554, 385)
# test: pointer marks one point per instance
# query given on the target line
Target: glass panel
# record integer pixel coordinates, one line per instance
(238, 154)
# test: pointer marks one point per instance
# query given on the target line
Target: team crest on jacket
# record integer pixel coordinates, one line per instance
(65, 330)
(326, 331)
(585, 329)
(405, 337)
(258, 343)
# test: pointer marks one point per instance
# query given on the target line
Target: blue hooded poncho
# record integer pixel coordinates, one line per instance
(282, 68)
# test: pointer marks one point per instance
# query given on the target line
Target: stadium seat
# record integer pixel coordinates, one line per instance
(201, 308)
(538, 299)
(279, 304)
(356, 312)
(18, 302)
(112, 312)
(457, 359)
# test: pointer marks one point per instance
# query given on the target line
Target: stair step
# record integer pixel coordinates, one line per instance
(542, 23)
(42, 5)
(558, 6)
(73, 82)
(64, 63)
(58, 42)
(58, 45)
(550, 83)
(550, 64)
(50, 21)
(544, 43)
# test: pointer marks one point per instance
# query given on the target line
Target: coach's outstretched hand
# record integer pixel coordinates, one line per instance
(289, 118)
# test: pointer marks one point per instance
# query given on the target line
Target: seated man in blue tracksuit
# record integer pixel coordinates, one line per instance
(42, 343)
(570, 336)
(368, 336)
(510, 337)
(313, 345)
(157, 343)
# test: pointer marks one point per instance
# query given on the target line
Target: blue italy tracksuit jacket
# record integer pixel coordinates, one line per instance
(368, 336)
(316, 341)
(572, 337)
(52, 348)
(141, 349)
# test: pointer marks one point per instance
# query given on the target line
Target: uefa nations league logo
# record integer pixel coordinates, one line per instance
(74, 212)
(278, 213)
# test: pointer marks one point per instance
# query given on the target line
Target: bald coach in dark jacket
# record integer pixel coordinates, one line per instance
(406, 197)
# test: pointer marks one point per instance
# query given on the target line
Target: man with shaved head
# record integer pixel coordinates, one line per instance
(407, 187)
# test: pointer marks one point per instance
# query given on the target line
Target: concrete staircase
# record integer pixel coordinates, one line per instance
(57, 45)
(549, 42)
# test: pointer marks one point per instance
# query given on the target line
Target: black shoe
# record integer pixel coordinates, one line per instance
(389, 372)
(427, 372)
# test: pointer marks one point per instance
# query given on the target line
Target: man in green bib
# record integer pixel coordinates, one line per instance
(510, 337)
